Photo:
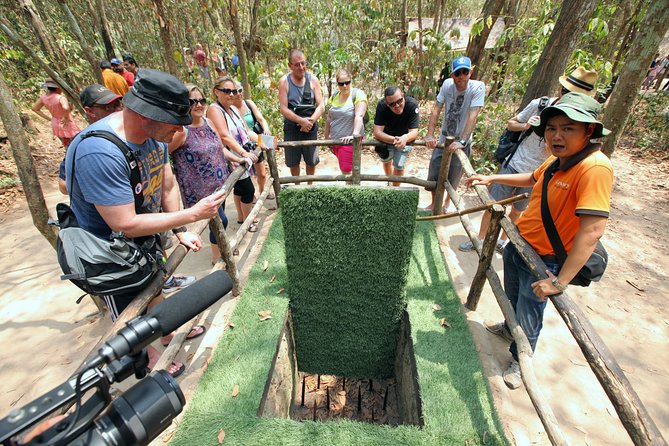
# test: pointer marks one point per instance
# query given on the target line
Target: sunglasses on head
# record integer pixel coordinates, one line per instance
(463, 71)
(180, 109)
(233, 91)
(395, 103)
(194, 102)
(341, 84)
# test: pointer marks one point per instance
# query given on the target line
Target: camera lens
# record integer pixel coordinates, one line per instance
(142, 412)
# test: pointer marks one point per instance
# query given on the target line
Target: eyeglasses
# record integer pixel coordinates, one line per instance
(341, 84)
(233, 91)
(395, 103)
(195, 102)
(461, 72)
(180, 109)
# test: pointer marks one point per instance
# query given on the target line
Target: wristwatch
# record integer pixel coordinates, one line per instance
(462, 142)
(556, 283)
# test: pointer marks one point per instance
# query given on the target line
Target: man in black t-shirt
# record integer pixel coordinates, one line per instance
(395, 124)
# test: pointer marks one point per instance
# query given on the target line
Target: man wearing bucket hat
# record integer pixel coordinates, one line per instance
(529, 154)
(578, 197)
(463, 99)
(101, 195)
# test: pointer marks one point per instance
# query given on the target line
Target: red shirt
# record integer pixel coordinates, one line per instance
(200, 58)
(129, 77)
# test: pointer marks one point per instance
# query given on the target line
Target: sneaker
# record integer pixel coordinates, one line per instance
(466, 246)
(500, 329)
(501, 244)
(175, 283)
(511, 375)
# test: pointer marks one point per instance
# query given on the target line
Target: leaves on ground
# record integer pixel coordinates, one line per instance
(221, 436)
(273, 278)
(265, 314)
(444, 323)
(265, 265)
(235, 391)
(281, 290)
(436, 307)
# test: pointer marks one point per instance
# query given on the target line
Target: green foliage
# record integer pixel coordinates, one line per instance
(490, 124)
(346, 275)
(648, 125)
(457, 405)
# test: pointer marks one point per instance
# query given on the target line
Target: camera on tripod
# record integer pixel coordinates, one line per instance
(138, 415)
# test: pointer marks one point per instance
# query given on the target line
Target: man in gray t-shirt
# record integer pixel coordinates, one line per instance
(462, 99)
(531, 152)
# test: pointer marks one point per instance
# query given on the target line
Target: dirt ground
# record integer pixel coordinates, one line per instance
(44, 335)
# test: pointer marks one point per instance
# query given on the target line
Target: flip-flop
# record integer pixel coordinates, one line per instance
(255, 220)
(253, 228)
(271, 196)
(235, 252)
(198, 329)
(178, 371)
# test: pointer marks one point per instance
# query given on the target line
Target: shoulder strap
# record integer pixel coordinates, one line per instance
(306, 91)
(547, 218)
(135, 177)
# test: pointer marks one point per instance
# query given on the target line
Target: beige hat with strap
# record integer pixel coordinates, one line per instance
(580, 81)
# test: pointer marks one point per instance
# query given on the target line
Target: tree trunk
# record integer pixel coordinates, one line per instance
(213, 18)
(476, 45)
(51, 49)
(630, 33)
(69, 92)
(166, 36)
(253, 30)
(24, 164)
(403, 24)
(569, 27)
(640, 55)
(502, 55)
(234, 20)
(104, 29)
(436, 20)
(88, 52)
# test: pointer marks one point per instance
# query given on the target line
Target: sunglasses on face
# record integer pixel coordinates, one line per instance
(461, 72)
(112, 106)
(395, 103)
(195, 102)
(341, 84)
(233, 91)
(240, 90)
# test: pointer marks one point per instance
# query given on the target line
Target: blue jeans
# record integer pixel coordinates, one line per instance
(528, 306)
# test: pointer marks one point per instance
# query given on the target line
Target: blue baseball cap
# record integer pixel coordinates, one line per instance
(461, 62)
(115, 61)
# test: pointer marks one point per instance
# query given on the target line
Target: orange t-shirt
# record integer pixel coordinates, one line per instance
(584, 188)
(115, 82)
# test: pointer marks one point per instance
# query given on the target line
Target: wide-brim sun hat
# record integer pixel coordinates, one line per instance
(578, 107)
(580, 81)
(160, 97)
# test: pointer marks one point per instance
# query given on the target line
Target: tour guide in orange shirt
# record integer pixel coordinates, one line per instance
(578, 198)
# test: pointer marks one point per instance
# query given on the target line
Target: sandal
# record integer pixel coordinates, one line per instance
(235, 252)
(271, 196)
(195, 332)
(176, 370)
(253, 228)
(255, 220)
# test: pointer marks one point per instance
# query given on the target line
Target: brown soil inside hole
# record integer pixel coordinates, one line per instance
(328, 397)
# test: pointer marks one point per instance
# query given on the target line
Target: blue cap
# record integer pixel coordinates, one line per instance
(461, 62)
(115, 61)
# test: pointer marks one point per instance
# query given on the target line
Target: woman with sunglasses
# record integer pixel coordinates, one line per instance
(256, 122)
(345, 119)
(199, 160)
(236, 136)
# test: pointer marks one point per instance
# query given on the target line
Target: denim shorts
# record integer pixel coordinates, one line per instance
(398, 157)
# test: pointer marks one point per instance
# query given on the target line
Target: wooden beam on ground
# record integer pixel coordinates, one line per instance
(632, 413)
(487, 254)
(525, 352)
(443, 177)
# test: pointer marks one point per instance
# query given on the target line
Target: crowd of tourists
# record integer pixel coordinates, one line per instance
(187, 144)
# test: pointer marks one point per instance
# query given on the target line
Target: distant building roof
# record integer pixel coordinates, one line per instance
(449, 25)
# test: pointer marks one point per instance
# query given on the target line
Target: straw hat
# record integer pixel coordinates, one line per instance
(580, 81)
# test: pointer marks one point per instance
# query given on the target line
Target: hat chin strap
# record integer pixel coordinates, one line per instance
(579, 83)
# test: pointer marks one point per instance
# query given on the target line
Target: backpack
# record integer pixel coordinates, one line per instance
(510, 140)
(104, 267)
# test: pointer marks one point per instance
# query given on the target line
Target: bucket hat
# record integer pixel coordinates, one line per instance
(159, 96)
(50, 83)
(578, 107)
(461, 62)
(580, 81)
(97, 94)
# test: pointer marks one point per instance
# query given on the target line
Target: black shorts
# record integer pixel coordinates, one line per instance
(294, 155)
(244, 189)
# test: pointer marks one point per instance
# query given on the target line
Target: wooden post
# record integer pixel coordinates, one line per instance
(357, 160)
(274, 172)
(216, 227)
(487, 254)
(443, 177)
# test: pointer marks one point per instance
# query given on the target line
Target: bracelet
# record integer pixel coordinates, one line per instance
(179, 230)
(556, 283)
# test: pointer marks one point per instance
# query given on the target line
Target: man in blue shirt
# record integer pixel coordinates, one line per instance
(101, 196)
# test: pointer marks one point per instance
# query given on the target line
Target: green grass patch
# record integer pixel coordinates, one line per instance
(347, 270)
(457, 406)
